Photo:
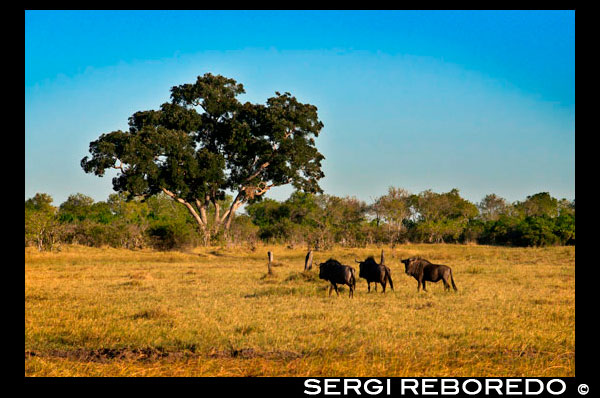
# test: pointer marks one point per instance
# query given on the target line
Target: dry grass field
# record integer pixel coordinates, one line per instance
(215, 312)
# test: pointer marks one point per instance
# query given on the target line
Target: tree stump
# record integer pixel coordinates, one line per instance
(269, 264)
(308, 260)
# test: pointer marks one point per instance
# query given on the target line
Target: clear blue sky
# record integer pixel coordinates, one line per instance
(482, 101)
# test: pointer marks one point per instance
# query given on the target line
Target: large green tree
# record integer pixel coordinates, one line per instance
(540, 204)
(442, 216)
(204, 143)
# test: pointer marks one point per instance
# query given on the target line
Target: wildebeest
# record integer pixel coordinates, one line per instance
(422, 270)
(334, 272)
(373, 272)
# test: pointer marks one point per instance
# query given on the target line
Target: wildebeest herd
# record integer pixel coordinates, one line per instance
(419, 268)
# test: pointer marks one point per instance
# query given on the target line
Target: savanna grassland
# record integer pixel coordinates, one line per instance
(216, 312)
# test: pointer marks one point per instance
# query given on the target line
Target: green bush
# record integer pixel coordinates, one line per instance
(536, 231)
(169, 236)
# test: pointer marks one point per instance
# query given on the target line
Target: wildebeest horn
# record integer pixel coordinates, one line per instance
(357, 261)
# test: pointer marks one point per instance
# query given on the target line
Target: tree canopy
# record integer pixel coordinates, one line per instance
(204, 143)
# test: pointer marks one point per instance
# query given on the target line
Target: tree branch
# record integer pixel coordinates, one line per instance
(232, 209)
(268, 162)
(188, 206)
(260, 191)
(233, 206)
(260, 169)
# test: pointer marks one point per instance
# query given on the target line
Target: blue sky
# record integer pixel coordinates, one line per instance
(482, 101)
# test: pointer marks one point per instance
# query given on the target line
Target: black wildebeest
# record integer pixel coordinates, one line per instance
(422, 270)
(334, 272)
(373, 272)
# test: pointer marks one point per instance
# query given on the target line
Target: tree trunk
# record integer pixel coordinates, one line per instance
(200, 220)
(231, 213)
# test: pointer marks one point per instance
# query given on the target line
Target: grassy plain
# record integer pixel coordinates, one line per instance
(215, 312)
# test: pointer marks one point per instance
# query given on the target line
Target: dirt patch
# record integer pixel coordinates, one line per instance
(150, 354)
(252, 353)
(105, 354)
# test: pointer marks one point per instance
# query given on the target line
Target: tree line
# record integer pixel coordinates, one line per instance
(319, 221)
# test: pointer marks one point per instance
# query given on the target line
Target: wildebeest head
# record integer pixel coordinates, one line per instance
(412, 265)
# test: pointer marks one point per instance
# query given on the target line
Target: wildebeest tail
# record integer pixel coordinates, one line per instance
(353, 278)
(452, 280)
(388, 276)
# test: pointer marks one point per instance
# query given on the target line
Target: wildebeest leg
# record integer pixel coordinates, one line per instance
(351, 294)
(418, 285)
(368, 287)
(330, 287)
(375, 284)
(336, 289)
(446, 284)
(383, 286)
(424, 288)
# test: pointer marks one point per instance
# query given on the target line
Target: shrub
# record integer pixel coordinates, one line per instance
(169, 236)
